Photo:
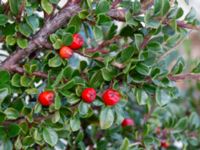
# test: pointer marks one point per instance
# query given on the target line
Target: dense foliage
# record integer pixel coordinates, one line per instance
(97, 75)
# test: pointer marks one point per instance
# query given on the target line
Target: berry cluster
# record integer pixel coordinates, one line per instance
(110, 98)
(66, 52)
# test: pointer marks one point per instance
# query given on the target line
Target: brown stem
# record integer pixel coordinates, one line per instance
(145, 41)
(20, 70)
(185, 76)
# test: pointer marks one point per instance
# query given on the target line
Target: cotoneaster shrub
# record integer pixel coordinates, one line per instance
(96, 75)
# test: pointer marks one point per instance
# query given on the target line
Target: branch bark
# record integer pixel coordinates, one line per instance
(41, 37)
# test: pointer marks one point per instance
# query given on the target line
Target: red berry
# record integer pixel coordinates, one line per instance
(88, 95)
(127, 122)
(46, 98)
(66, 52)
(111, 97)
(77, 41)
(164, 144)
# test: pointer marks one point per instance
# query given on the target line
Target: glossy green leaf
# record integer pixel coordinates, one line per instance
(141, 96)
(47, 6)
(25, 29)
(6, 145)
(13, 130)
(15, 81)
(125, 144)
(33, 22)
(3, 93)
(14, 6)
(83, 108)
(106, 118)
(179, 66)
(3, 19)
(102, 6)
(55, 61)
(75, 124)
(10, 40)
(11, 113)
(50, 136)
(4, 76)
(162, 97)
(22, 43)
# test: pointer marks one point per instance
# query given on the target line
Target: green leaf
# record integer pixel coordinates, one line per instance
(2, 117)
(127, 53)
(57, 102)
(162, 97)
(50, 136)
(6, 145)
(179, 66)
(194, 120)
(102, 7)
(75, 22)
(83, 108)
(3, 93)
(15, 81)
(13, 130)
(14, 6)
(3, 19)
(136, 7)
(154, 47)
(10, 40)
(130, 20)
(141, 96)
(176, 13)
(47, 6)
(181, 125)
(56, 117)
(150, 21)
(125, 144)
(143, 69)
(161, 7)
(55, 61)
(58, 43)
(32, 91)
(103, 19)
(196, 69)
(98, 33)
(75, 124)
(138, 40)
(70, 84)
(25, 29)
(191, 15)
(96, 79)
(11, 113)
(4, 76)
(67, 39)
(58, 78)
(28, 141)
(25, 81)
(22, 43)
(33, 22)
(106, 118)
(107, 74)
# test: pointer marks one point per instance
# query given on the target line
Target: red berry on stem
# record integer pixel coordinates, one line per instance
(164, 144)
(111, 97)
(88, 95)
(127, 122)
(46, 98)
(66, 52)
(77, 41)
